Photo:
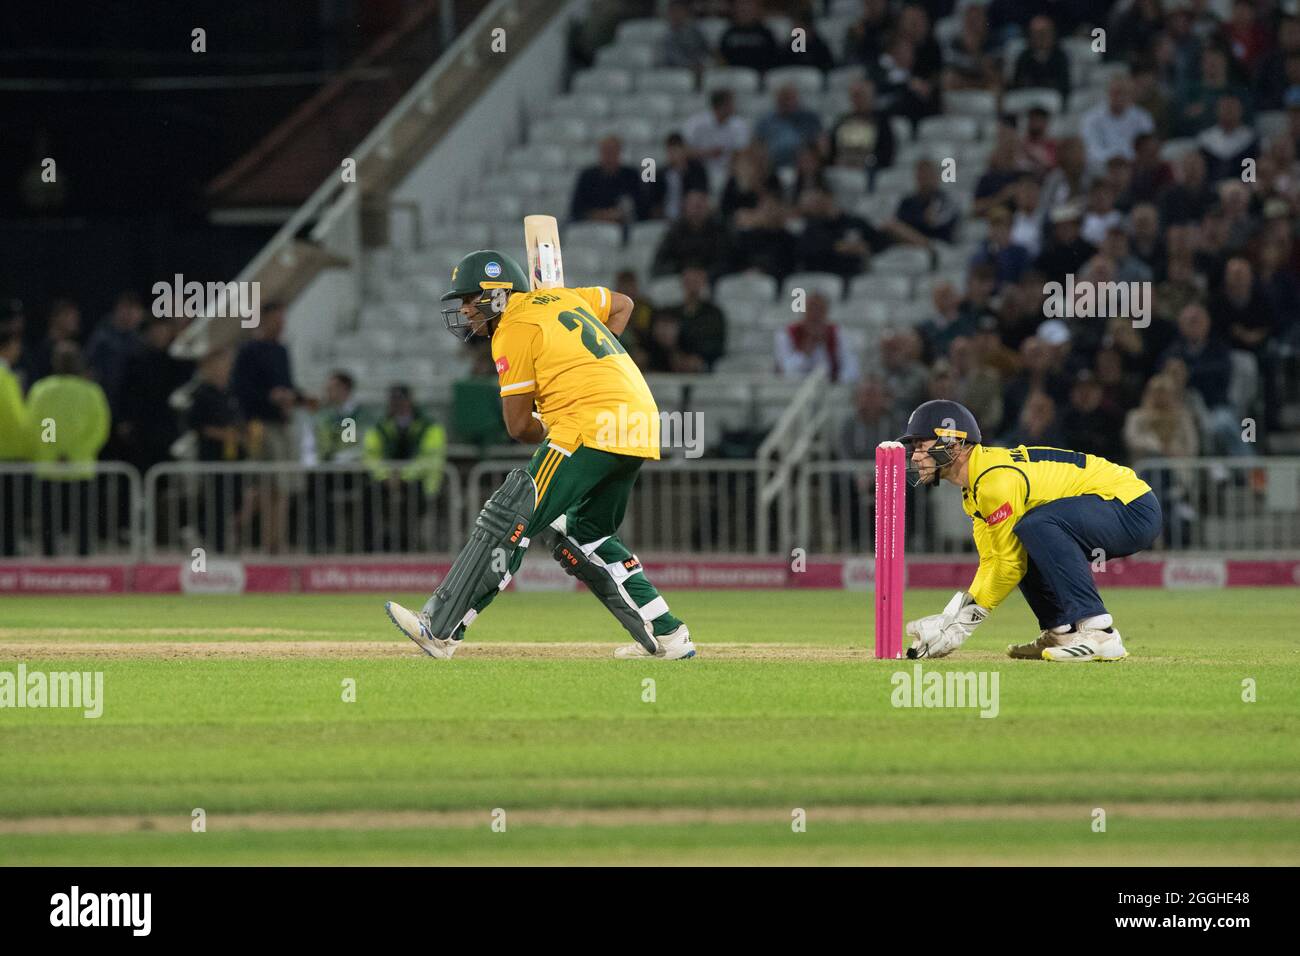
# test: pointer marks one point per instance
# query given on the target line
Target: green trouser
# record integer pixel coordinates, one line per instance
(590, 488)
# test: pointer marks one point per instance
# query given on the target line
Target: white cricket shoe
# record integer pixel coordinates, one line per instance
(1034, 649)
(413, 626)
(1089, 644)
(673, 646)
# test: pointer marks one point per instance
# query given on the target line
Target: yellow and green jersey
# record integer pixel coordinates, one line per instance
(68, 421)
(554, 344)
(1005, 484)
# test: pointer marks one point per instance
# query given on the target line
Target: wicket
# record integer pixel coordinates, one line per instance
(891, 480)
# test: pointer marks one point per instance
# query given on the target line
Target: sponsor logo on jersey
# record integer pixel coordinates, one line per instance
(1002, 514)
(503, 365)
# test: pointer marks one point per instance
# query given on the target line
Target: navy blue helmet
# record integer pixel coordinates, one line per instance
(950, 424)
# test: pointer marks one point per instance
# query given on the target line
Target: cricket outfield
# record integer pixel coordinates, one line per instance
(534, 746)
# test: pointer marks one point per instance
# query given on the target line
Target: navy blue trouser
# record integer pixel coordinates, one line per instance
(1063, 537)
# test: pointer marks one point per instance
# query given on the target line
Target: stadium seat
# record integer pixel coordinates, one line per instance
(849, 185)
(745, 285)
(1172, 150)
(901, 127)
(1020, 101)
(951, 128)
(631, 130)
(925, 284)
(862, 313)
(827, 283)
(876, 285)
(526, 182)
(650, 105)
(560, 129)
(1270, 124)
(675, 80)
(841, 78)
(902, 260)
(976, 103)
(875, 207)
(1084, 99)
(641, 30)
(898, 180)
(595, 235)
(632, 56)
(808, 80)
(648, 233)
(588, 105)
(739, 79)
(471, 235)
(834, 30)
(712, 28)
(752, 341)
(743, 364)
(607, 80)
(937, 150)
(666, 290)
(540, 156)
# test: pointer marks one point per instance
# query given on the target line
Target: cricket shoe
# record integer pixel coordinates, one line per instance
(673, 646)
(1033, 651)
(1089, 644)
(415, 627)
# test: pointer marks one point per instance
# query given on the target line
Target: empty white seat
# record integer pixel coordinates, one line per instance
(808, 80)
(474, 235)
(641, 30)
(586, 105)
(902, 260)
(881, 285)
(951, 128)
(901, 127)
(1174, 149)
(827, 283)
(594, 235)
(634, 56)
(648, 234)
(526, 182)
(1084, 99)
(649, 104)
(540, 156)
(675, 80)
(861, 313)
(712, 28)
(745, 285)
(666, 290)
(742, 363)
(925, 284)
(841, 78)
(560, 129)
(740, 79)
(632, 130)
(875, 207)
(1018, 101)
(848, 184)
(898, 180)
(976, 103)
(608, 80)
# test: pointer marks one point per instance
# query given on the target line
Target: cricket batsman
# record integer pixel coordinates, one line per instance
(557, 348)
(1039, 516)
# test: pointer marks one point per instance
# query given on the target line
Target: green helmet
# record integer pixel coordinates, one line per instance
(490, 275)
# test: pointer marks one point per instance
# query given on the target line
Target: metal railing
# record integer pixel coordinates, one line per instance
(55, 510)
(1222, 506)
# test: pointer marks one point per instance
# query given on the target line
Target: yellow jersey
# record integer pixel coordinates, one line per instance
(1005, 484)
(555, 344)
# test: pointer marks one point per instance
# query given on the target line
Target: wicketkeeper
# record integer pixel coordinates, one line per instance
(557, 348)
(1040, 516)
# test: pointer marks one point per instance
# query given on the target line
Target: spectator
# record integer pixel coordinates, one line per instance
(1191, 196)
(684, 44)
(862, 138)
(1018, 314)
(901, 89)
(716, 135)
(747, 41)
(970, 62)
(999, 250)
(1210, 242)
(788, 128)
(1161, 427)
(946, 323)
(1208, 371)
(1149, 94)
(1038, 145)
(664, 349)
(871, 422)
(995, 186)
(214, 417)
(990, 352)
(1028, 214)
(1241, 225)
(696, 239)
(1042, 63)
(1135, 27)
(1150, 173)
(903, 371)
(64, 325)
(914, 25)
(1241, 314)
(1118, 179)
(977, 387)
(1068, 181)
(703, 326)
(751, 179)
(814, 342)
(339, 425)
(809, 173)
(404, 434)
(609, 191)
(815, 51)
(113, 342)
(1036, 424)
(1228, 142)
(864, 41)
(929, 210)
(1195, 104)
(15, 438)
(638, 324)
(1037, 374)
(1279, 285)
(680, 173)
(834, 241)
(759, 240)
(1128, 267)
(1066, 250)
(1247, 39)
(1090, 423)
(1271, 79)
(1109, 128)
(1145, 241)
(68, 421)
(148, 426)
(1100, 215)
(1180, 287)
(262, 381)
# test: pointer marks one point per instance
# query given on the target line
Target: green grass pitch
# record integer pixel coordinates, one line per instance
(778, 744)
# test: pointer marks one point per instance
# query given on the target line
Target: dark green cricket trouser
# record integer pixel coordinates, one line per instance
(590, 489)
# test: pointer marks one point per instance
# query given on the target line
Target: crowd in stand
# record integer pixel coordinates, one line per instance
(1211, 231)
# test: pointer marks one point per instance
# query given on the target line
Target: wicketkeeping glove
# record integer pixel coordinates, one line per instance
(940, 634)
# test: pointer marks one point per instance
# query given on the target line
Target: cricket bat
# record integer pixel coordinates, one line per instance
(542, 240)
